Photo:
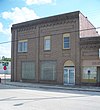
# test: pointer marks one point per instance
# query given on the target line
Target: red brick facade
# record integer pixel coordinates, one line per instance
(55, 26)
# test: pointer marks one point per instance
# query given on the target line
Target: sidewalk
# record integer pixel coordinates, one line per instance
(49, 86)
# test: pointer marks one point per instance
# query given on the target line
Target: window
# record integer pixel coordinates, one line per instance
(28, 70)
(48, 70)
(89, 74)
(22, 46)
(99, 53)
(66, 41)
(47, 43)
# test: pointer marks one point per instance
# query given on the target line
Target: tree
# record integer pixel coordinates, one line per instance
(5, 59)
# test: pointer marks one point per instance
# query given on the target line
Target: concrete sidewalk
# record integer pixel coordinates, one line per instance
(49, 86)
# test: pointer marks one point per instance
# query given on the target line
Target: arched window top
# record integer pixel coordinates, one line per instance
(68, 63)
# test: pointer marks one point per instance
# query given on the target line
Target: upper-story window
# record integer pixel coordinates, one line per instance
(47, 41)
(99, 53)
(22, 46)
(66, 41)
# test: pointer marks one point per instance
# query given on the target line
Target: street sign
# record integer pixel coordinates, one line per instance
(5, 63)
(4, 67)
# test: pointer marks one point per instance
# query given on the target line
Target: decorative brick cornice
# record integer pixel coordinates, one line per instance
(48, 21)
(90, 42)
(90, 46)
(56, 23)
(26, 28)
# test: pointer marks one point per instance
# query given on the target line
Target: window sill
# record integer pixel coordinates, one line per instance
(66, 48)
(47, 50)
(22, 52)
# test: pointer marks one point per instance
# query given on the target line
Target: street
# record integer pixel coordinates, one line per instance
(24, 98)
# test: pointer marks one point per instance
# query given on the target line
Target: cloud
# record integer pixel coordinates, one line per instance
(1, 27)
(2, 30)
(31, 2)
(5, 50)
(17, 15)
(5, 32)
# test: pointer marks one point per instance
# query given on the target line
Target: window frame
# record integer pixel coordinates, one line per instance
(99, 53)
(66, 35)
(23, 46)
(45, 46)
(26, 70)
(43, 67)
(89, 74)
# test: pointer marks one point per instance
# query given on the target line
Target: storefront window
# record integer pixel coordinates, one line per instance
(89, 74)
(48, 70)
(28, 70)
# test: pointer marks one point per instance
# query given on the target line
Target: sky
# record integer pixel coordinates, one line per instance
(16, 11)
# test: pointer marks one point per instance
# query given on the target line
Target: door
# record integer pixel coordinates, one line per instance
(69, 76)
(98, 75)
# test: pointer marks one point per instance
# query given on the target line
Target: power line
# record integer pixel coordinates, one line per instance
(53, 34)
(89, 12)
(5, 42)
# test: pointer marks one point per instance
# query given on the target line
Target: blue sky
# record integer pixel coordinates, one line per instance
(15, 11)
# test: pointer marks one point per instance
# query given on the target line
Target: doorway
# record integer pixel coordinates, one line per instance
(69, 73)
(98, 75)
(69, 76)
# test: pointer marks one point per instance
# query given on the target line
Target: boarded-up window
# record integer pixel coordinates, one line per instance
(89, 72)
(48, 70)
(28, 70)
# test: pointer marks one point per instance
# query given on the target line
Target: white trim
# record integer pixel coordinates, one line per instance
(45, 45)
(22, 40)
(69, 68)
(99, 53)
(66, 35)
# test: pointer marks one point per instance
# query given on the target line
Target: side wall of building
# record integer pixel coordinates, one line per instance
(86, 27)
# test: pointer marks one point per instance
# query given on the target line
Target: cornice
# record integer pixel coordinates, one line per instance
(56, 23)
(90, 40)
(26, 28)
(53, 20)
(89, 46)
(48, 24)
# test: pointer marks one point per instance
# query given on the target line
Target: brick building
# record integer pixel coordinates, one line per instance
(90, 60)
(54, 49)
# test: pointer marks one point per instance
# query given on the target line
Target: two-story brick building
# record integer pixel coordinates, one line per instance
(52, 49)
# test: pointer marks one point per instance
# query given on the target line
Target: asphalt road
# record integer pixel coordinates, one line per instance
(24, 98)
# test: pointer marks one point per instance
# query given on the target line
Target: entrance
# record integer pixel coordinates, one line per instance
(69, 73)
(98, 75)
(69, 76)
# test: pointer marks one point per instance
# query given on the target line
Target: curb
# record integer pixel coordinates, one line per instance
(54, 87)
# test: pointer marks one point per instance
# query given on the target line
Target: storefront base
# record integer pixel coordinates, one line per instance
(90, 84)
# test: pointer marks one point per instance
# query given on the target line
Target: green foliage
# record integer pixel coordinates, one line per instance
(5, 59)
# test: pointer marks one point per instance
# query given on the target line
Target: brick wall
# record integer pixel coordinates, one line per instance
(35, 31)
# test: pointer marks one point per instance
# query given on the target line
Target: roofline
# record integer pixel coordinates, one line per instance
(87, 19)
(47, 19)
(88, 38)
